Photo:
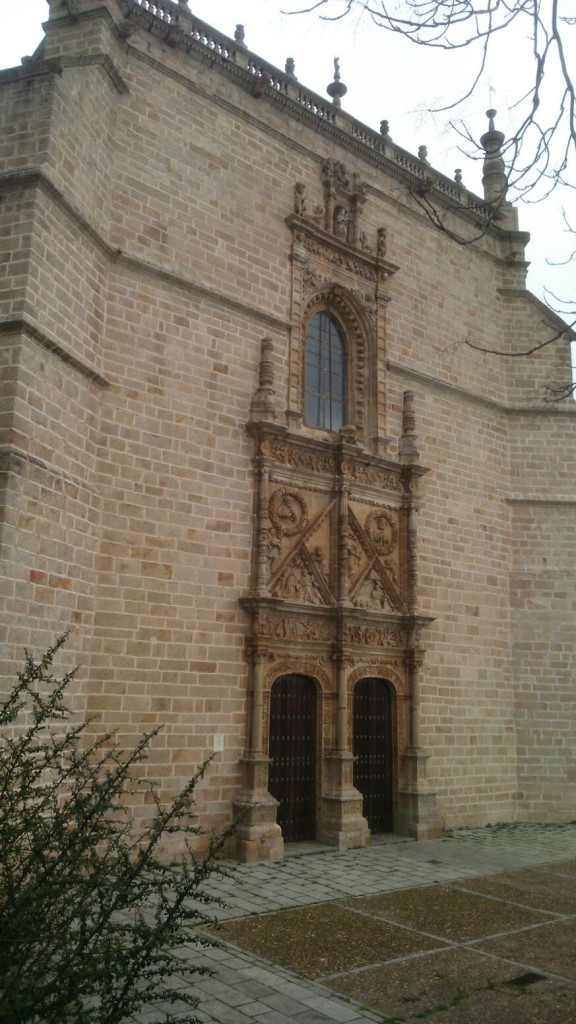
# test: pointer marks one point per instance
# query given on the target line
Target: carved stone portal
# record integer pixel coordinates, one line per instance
(333, 597)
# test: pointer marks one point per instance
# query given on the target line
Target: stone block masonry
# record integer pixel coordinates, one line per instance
(167, 201)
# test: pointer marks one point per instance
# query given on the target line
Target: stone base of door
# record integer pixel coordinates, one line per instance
(340, 819)
(257, 835)
(416, 813)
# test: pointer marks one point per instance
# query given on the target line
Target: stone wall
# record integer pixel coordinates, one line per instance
(145, 192)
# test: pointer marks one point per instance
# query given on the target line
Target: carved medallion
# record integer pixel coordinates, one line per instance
(287, 512)
(382, 531)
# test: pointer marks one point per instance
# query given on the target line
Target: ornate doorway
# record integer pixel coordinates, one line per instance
(372, 712)
(292, 752)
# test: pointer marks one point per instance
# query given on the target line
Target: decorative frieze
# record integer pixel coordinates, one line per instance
(373, 636)
(300, 629)
(373, 477)
(299, 458)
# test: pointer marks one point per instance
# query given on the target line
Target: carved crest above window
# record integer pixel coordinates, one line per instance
(339, 298)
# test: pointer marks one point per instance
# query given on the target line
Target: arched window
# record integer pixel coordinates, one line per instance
(325, 374)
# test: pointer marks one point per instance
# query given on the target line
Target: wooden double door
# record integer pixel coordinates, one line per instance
(294, 742)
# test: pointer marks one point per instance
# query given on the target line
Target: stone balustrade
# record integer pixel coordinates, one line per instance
(266, 76)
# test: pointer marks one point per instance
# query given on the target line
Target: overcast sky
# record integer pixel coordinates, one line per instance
(386, 77)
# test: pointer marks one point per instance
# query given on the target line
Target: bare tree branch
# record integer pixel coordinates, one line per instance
(541, 153)
(560, 335)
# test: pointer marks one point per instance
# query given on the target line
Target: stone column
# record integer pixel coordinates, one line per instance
(258, 836)
(416, 814)
(261, 581)
(340, 819)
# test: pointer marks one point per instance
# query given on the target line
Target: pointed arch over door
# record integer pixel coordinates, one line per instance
(372, 712)
(292, 752)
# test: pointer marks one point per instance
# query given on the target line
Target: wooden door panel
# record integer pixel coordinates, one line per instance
(292, 752)
(372, 747)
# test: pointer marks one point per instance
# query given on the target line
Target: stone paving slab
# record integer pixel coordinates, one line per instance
(304, 879)
(460, 986)
(550, 948)
(450, 913)
(530, 887)
(284, 997)
(314, 941)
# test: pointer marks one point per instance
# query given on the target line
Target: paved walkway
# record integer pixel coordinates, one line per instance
(246, 989)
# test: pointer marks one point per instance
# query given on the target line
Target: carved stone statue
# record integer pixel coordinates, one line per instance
(341, 223)
(299, 198)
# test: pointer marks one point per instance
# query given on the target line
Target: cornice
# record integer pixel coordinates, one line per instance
(567, 503)
(553, 318)
(21, 325)
(336, 452)
(10, 453)
(36, 177)
(547, 409)
(32, 69)
(328, 241)
(180, 30)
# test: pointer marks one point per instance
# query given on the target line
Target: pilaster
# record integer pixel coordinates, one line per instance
(417, 814)
(258, 836)
(340, 819)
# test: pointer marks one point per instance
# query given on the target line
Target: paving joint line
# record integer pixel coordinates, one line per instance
(516, 963)
(518, 931)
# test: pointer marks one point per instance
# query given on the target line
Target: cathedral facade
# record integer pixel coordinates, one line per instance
(256, 453)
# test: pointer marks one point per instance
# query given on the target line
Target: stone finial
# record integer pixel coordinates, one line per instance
(184, 4)
(385, 129)
(337, 89)
(423, 154)
(239, 37)
(494, 177)
(290, 67)
(263, 404)
(458, 175)
(408, 448)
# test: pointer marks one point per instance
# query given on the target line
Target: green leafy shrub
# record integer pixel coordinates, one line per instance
(90, 918)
